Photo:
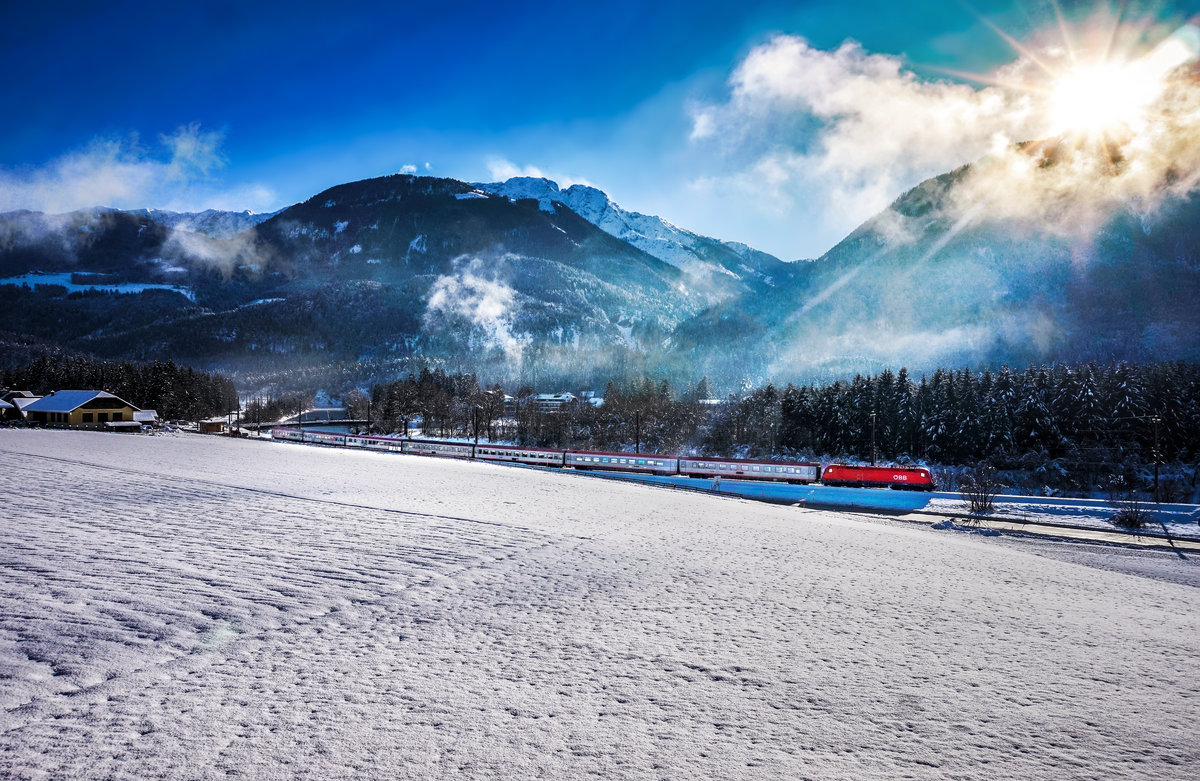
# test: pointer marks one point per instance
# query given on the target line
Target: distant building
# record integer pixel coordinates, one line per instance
(552, 402)
(13, 403)
(318, 415)
(147, 417)
(22, 403)
(82, 409)
(590, 397)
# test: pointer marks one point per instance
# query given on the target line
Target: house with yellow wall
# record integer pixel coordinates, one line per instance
(82, 409)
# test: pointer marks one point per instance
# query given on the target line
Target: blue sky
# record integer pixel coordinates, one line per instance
(259, 105)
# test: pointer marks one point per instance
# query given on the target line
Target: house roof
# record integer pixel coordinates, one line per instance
(70, 400)
(6, 405)
(145, 416)
(22, 402)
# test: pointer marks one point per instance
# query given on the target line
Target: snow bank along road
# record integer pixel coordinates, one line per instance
(188, 607)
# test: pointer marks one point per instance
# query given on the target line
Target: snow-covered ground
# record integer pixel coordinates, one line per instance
(199, 607)
(1174, 520)
(64, 280)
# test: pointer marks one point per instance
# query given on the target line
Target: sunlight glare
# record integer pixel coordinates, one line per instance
(1105, 97)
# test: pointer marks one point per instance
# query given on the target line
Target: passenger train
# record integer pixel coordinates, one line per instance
(795, 472)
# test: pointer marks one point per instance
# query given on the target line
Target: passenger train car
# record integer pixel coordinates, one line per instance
(738, 469)
(623, 462)
(519, 455)
(796, 472)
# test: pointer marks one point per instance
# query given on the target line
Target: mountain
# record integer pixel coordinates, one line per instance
(524, 282)
(210, 222)
(944, 277)
(388, 269)
(716, 269)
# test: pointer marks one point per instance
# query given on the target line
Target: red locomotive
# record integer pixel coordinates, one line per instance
(901, 478)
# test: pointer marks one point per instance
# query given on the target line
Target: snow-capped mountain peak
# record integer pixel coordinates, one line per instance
(716, 268)
(210, 222)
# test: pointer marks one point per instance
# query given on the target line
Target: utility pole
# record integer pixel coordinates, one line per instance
(637, 432)
(1155, 419)
(872, 439)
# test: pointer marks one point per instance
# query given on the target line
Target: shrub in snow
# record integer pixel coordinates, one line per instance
(978, 487)
(1129, 511)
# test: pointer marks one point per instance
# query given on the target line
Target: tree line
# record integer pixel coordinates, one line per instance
(175, 392)
(1083, 415)
(1074, 423)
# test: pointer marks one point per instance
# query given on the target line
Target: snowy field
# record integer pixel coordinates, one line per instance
(1172, 520)
(198, 607)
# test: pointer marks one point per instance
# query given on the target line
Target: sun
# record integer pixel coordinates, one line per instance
(1104, 82)
(1104, 98)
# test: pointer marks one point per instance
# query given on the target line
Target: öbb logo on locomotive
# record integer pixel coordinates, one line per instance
(794, 472)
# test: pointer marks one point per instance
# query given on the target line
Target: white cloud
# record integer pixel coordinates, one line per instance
(473, 294)
(846, 131)
(501, 169)
(409, 169)
(837, 135)
(120, 172)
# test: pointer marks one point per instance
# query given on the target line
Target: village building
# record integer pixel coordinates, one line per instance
(82, 409)
(213, 426)
(22, 403)
(552, 402)
(16, 402)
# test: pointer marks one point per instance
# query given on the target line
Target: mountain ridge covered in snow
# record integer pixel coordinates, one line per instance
(727, 268)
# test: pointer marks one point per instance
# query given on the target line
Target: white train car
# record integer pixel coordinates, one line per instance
(324, 438)
(287, 434)
(519, 455)
(738, 469)
(622, 462)
(429, 447)
(374, 443)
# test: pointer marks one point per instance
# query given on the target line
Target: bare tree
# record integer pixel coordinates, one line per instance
(1129, 510)
(979, 486)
